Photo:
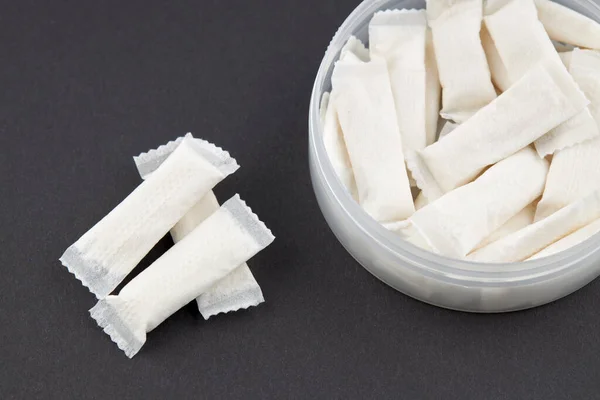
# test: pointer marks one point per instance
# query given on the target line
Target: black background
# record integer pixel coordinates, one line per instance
(85, 85)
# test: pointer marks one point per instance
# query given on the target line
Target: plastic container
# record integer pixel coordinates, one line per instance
(441, 281)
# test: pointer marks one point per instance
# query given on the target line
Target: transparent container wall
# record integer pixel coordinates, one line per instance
(410, 270)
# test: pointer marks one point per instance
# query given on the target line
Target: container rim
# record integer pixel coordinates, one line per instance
(459, 271)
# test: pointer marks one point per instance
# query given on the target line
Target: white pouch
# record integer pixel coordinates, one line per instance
(521, 220)
(433, 89)
(522, 42)
(568, 26)
(584, 66)
(463, 68)
(366, 112)
(336, 149)
(545, 97)
(585, 69)
(518, 36)
(456, 223)
(239, 289)
(108, 252)
(398, 36)
(574, 173)
(572, 240)
(354, 51)
(533, 238)
(225, 240)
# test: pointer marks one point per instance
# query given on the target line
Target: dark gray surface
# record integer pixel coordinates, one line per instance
(85, 85)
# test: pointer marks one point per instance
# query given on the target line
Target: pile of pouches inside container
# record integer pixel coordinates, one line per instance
(515, 172)
(207, 262)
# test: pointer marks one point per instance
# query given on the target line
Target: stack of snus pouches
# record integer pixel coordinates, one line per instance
(207, 262)
(514, 174)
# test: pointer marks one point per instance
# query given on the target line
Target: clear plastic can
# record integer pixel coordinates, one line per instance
(437, 280)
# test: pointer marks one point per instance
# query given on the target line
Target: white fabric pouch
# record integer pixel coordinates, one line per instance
(521, 42)
(224, 241)
(353, 51)
(461, 61)
(336, 148)
(238, 290)
(456, 223)
(575, 171)
(544, 98)
(568, 26)
(584, 66)
(518, 36)
(532, 239)
(108, 252)
(365, 105)
(399, 36)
